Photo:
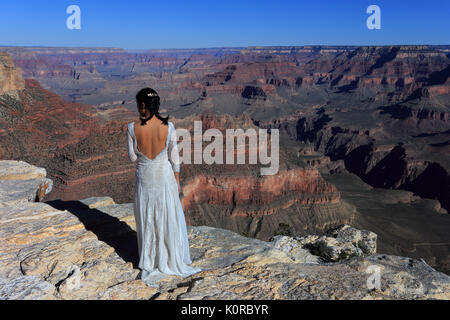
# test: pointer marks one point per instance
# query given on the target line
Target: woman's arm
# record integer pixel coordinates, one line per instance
(131, 154)
(174, 156)
(177, 177)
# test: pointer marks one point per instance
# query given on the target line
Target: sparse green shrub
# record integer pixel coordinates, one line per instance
(284, 229)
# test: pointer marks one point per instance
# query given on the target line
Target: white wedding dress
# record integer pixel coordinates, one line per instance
(160, 224)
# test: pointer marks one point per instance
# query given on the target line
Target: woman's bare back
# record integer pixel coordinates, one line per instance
(151, 138)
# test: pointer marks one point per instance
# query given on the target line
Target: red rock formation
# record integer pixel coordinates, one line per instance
(304, 185)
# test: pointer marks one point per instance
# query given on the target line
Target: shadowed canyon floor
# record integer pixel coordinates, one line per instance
(87, 250)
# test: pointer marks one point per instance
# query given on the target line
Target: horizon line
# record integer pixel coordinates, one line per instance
(221, 47)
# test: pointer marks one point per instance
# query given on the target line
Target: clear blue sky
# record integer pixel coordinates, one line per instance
(134, 24)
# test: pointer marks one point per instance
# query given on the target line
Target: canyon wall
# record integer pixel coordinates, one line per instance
(378, 112)
(83, 149)
(85, 152)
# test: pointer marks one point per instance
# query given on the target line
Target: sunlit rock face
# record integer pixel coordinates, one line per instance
(10, 76)
(45, 251)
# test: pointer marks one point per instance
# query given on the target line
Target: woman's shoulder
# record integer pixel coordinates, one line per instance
(130, 126)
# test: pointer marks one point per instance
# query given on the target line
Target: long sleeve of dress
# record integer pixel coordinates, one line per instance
(131, 152)
(174, 156)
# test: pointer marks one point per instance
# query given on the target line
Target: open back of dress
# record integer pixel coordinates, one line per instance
(160, 224)
(151, 139)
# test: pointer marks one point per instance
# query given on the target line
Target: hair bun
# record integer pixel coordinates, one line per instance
(151, 101)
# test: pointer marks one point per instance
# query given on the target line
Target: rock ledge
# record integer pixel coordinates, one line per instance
(87, 250)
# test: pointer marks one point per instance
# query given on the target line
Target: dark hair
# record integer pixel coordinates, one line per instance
(151, 101)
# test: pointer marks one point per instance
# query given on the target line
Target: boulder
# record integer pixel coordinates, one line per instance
(341, 243)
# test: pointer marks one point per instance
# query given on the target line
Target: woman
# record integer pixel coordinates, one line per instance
(160, 224)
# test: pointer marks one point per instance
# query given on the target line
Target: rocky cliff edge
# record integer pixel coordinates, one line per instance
(87, 250)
